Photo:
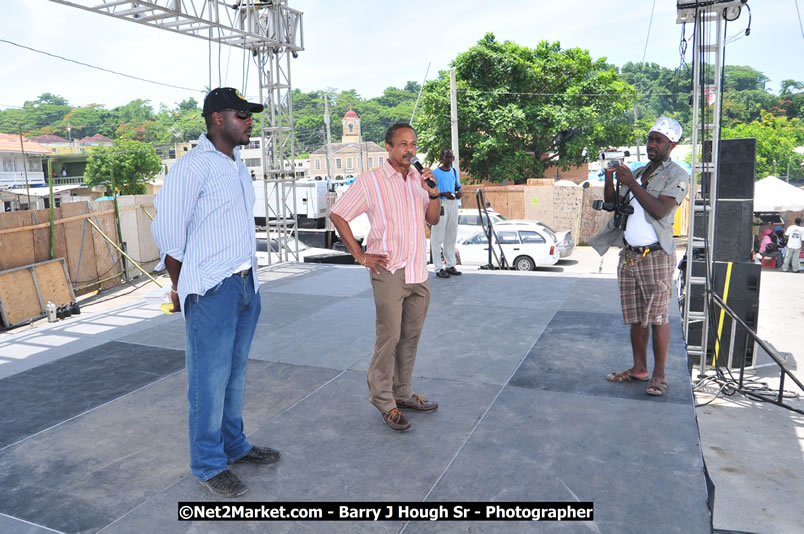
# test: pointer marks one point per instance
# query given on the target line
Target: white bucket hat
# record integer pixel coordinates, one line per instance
(668, 127)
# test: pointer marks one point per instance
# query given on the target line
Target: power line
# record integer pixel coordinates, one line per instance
(799, 19)
(98, 68)
(647, 37)
(562, 94)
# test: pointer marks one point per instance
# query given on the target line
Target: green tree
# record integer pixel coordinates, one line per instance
(191, 104)
(791, 99)
(743, 78)
(87, 120)
(521, 109)
(661, 91)
(34, 115)
(126, 166)
(777, 137)
(744, 106)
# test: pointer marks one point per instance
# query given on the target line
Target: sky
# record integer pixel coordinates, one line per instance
(360, 44)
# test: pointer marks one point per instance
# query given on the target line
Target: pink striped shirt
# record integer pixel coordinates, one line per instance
(395, 207)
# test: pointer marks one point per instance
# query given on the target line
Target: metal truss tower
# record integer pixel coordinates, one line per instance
(708, 17)
(273, 33)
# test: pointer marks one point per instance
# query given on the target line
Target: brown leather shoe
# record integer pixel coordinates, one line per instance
(396, 419)
(442, 274)
(418, 403)
(453, 271)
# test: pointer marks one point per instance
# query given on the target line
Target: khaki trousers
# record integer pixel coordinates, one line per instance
(401, 309)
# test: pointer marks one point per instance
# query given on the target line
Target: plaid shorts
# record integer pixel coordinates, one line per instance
(645, 286)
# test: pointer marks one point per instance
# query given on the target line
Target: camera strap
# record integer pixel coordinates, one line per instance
(644, 183)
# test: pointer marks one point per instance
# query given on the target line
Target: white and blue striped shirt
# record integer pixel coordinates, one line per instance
(205, 218)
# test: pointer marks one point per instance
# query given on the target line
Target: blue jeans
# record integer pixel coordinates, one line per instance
(219, 330)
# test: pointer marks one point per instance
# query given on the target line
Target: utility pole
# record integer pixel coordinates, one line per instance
(329, 139)
(25, 169)
(52, 238)
(636, 141)
(453, 105)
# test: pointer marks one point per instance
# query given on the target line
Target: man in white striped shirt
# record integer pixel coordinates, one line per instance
(204, 229)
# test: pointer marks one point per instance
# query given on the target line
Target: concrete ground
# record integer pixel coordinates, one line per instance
(526, 385)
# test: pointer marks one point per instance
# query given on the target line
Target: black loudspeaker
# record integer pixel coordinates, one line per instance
(742, 298)
(734, 229)
(737, 163)
(744, 281)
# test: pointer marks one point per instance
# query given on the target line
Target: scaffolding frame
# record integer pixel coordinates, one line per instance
(273, 33)
(708, 18)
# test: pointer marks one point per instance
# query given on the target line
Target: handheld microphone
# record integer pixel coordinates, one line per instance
(416, 163)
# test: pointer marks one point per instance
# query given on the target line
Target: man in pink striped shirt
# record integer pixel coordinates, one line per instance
(397, 201)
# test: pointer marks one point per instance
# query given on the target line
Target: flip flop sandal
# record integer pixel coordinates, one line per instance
(624, 376)
(656, 388)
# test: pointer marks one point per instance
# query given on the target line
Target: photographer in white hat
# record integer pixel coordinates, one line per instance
(647, 258)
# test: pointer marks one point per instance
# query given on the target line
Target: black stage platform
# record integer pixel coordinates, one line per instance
(93, 434)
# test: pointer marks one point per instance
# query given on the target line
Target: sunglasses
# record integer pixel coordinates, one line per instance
(242, 115)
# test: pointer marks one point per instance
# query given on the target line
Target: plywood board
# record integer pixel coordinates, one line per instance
(18, 295)
(16, 249)
(60, 241)
(107, 258)
(41, 236)
(53, 283)
(79, 244)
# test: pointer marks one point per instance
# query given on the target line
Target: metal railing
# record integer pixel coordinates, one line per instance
(68, 180)
(739, 324)
(10, 179)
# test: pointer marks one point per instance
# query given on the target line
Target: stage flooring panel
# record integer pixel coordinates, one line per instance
(46, 395)
(84, 474)
(336, 282)
(10, 525)
(523, 291)
(488, 351)
(337, 336)
(602, 295)
(335, 447)
(594, 295)
(170, 335)
(578, 349)
(28, 353)
(285, 309)
(641, 469)
(116, 324)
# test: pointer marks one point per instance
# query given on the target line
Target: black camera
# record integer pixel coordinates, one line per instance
(601, 205)
(620, 209)
(621, 215)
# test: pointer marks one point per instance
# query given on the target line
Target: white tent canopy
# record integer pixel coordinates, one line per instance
(773, 194)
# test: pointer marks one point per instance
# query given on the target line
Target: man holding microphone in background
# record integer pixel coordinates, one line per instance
(398, 201)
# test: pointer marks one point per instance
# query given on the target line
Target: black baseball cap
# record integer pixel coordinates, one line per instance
(228, 98)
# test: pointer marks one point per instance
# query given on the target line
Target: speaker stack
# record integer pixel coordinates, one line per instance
(733, 242)
(742, 298)
(734, 215)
